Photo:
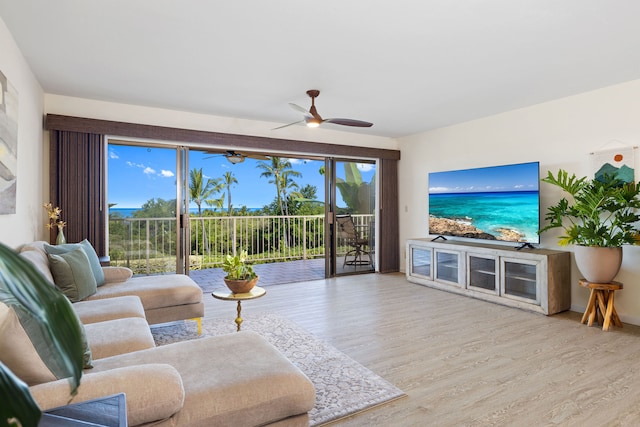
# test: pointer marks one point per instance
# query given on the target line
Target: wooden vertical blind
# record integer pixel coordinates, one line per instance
(389, 245)
(77, 185)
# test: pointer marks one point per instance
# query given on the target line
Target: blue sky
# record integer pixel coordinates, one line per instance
(137, 174)
(517, 177)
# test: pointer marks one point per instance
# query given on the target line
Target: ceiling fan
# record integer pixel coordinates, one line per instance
(236, 157)
(313, 119)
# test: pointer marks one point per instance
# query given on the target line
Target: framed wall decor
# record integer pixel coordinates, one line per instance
(8, 145)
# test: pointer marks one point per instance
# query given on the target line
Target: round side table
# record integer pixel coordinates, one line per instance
(227, 295)
(600, 305)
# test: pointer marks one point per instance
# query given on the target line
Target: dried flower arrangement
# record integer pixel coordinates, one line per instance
(54, 217)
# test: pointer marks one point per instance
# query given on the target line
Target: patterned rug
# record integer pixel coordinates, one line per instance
(343, 386)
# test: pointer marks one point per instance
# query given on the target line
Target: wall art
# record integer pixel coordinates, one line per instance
(8, 145)
(618, 161)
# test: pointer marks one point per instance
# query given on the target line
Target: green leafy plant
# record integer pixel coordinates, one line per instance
(601, 212)
(237, 268)
(24, 289)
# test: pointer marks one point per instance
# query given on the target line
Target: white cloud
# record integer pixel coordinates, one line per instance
(438, 189)
(149, 171)
(366, 167)
(135, 165)
(113, 155)
(166, 174)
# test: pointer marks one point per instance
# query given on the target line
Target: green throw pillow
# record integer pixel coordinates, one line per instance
(94, 261)
(72, 274)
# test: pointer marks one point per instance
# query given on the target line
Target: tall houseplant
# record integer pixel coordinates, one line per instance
(24, 289)
(601, 213)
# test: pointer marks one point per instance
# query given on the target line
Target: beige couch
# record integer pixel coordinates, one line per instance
(165, 298)
(232, 380)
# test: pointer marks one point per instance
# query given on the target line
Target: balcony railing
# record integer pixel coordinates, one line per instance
(148, 245)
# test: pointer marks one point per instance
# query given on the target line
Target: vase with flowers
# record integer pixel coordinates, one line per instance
(55, 221)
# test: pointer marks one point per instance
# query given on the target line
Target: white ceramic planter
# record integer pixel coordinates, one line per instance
(598, 264)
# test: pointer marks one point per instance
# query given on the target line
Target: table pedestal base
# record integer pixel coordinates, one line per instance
(239, 318)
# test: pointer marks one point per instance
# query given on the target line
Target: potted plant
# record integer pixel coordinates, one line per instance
(599, 219)
(240, 276)
(25, 290)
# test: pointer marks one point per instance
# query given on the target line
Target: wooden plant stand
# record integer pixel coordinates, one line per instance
(601, 307)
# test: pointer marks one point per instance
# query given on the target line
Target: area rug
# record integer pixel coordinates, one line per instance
(343, 386)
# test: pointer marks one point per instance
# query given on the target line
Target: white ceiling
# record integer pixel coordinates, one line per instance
(405, 65)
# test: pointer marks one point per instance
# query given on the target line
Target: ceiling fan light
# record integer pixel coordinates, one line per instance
(235, 158)
(313, 123)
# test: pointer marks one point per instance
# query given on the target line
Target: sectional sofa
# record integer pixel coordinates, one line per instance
(231, 380)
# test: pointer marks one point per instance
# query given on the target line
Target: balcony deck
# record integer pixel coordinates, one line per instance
(276, 273)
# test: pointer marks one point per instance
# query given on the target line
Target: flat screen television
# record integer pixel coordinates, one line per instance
(490, 203)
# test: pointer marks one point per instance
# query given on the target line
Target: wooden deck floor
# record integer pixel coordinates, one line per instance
(464, 361)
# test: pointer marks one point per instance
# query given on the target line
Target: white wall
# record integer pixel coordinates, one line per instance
(559, 134)
(27, 224)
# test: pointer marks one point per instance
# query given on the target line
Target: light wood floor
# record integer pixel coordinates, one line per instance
(465, 362)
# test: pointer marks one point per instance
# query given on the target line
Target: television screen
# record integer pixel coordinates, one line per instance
(493, 203)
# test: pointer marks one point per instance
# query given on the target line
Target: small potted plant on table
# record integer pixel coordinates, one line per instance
(240, 277)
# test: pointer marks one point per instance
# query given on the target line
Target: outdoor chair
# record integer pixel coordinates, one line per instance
(350, 236)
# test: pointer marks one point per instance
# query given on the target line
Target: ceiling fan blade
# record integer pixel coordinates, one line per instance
(257, 156)
(290, 124)
(300, 109)
(349, 122)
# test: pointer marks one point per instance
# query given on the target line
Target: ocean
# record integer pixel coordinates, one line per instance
(517, 211)
(128, 212)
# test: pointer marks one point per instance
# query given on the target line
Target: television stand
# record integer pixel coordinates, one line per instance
(537, 280)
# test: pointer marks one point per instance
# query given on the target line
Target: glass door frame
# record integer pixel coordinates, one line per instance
(182, 210)
(331, 255)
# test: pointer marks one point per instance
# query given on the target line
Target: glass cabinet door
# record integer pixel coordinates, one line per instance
(482, 273)
(420, 262)
(447, 266)
(520, 280)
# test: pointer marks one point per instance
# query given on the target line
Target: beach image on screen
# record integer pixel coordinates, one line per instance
(493, 203)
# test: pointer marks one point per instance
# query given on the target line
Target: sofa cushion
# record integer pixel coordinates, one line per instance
(72, 274)
(154, 392)
(25, 351)
(155, 291)
(237, 379)
(109, 309)
(116, 274)
(94, 261)
(118, 336)
(38, 258)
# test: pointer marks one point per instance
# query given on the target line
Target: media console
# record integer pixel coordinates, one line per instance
(537, 280)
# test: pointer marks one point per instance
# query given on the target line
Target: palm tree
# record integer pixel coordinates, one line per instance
(286, 184)
(280, 170)
(199, 192)
(227, 181)
(216, 203)
(275, 169)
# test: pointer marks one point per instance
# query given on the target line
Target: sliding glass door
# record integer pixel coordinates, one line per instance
(176, 209)
(351, 211)
(141, 194)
